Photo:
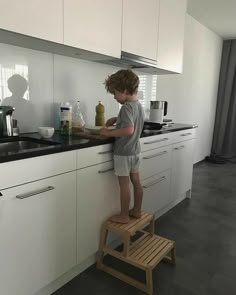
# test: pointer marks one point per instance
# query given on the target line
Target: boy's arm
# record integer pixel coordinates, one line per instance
(126, 131)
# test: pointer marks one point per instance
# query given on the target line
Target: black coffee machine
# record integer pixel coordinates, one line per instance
(6, 124)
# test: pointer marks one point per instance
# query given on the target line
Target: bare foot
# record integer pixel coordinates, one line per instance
(135, 213)
(119, 219)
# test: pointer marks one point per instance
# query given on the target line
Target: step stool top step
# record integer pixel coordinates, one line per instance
(133, 225)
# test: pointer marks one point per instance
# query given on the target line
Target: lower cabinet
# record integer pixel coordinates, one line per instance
(182, 168)
(156, 191)
(37, 233)
(97, 199)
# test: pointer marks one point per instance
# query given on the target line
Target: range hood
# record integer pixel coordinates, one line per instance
(135, 62)
(126, 60)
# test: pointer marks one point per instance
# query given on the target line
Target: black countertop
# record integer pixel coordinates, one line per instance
(59, 143)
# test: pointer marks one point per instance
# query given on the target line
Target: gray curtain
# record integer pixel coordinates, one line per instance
(224, 139)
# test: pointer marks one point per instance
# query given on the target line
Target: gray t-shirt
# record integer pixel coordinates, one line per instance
(131, 115)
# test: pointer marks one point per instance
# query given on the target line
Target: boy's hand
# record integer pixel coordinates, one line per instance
(104, 132)
(111, 121)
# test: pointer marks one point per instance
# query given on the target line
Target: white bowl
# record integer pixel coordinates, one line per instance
(46, 132)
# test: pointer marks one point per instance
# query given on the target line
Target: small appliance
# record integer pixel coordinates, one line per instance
(6, 123)
(158, 109)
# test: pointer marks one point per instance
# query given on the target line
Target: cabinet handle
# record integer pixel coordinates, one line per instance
(155, 155)
(156, 141)
(154, 182)
(106, 152)
(186, 134)
(36, 192)
(107, 170)
(179, 148)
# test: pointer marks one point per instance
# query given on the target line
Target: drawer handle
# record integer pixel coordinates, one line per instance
(154, 182)
(156, 141)
(106, 152)
(36, 192)
(107, 170)
(179, 148)
(155, 155)
(186, 134)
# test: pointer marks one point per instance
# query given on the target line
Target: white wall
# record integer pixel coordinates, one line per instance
(192, 95)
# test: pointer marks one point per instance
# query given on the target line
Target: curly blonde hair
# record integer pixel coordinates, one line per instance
(121, 81)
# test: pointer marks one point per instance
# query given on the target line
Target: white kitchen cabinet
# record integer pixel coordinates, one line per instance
(140, 27)
(38, 18)
(182, 168)
(97, 199)
(171, 35)
(37, 233)
(156, 191)
(93, 25)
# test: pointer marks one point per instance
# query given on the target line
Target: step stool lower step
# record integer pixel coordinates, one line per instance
(145, 253)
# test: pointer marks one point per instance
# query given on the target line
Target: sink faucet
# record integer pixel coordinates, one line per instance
(6, 126)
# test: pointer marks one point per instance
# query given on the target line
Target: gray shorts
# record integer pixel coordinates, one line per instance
(124, 165)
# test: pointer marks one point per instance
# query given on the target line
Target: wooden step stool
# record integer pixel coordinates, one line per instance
(145, 252)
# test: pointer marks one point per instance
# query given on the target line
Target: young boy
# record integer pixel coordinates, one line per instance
(129, 124)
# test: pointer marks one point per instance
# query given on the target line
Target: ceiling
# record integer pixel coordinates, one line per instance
(218, 15)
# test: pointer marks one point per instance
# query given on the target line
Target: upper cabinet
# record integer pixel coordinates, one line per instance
(171, 35)
(38, 18)
(140, 27)
(93, 25)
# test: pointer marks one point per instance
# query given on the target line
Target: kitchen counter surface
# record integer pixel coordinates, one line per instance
(60, 143)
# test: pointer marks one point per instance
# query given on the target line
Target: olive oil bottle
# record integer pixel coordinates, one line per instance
(100, 114)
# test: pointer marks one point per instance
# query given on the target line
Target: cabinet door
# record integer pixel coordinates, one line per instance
(140, 27)
(37, 233)
(182, 168)
(156, 191)
(93, 25)
(98, 198)
(38, 18)
(171, 35)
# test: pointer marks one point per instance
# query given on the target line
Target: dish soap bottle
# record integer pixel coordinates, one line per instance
(100, 118)
(77, 118)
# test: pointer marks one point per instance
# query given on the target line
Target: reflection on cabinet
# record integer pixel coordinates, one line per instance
(140, 27)
(171, 35)
(156, 191)
(93, 25)
(182, 168)
(37, 233)
(39, 18)
(97, 199)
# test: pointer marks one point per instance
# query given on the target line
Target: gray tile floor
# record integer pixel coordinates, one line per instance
(204, 229)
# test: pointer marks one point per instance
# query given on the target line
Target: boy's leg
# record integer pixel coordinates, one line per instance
(123, 217)
(138, 195)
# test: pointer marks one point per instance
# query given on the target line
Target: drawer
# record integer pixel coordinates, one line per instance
(153, 142)
(184, 135)
(94, 155)
(31, 169)
(156, 191)
(155, 161)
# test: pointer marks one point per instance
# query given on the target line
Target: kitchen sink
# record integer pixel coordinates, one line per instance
(12, 145)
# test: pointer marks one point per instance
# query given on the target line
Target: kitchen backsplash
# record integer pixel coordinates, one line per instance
(36, 83)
